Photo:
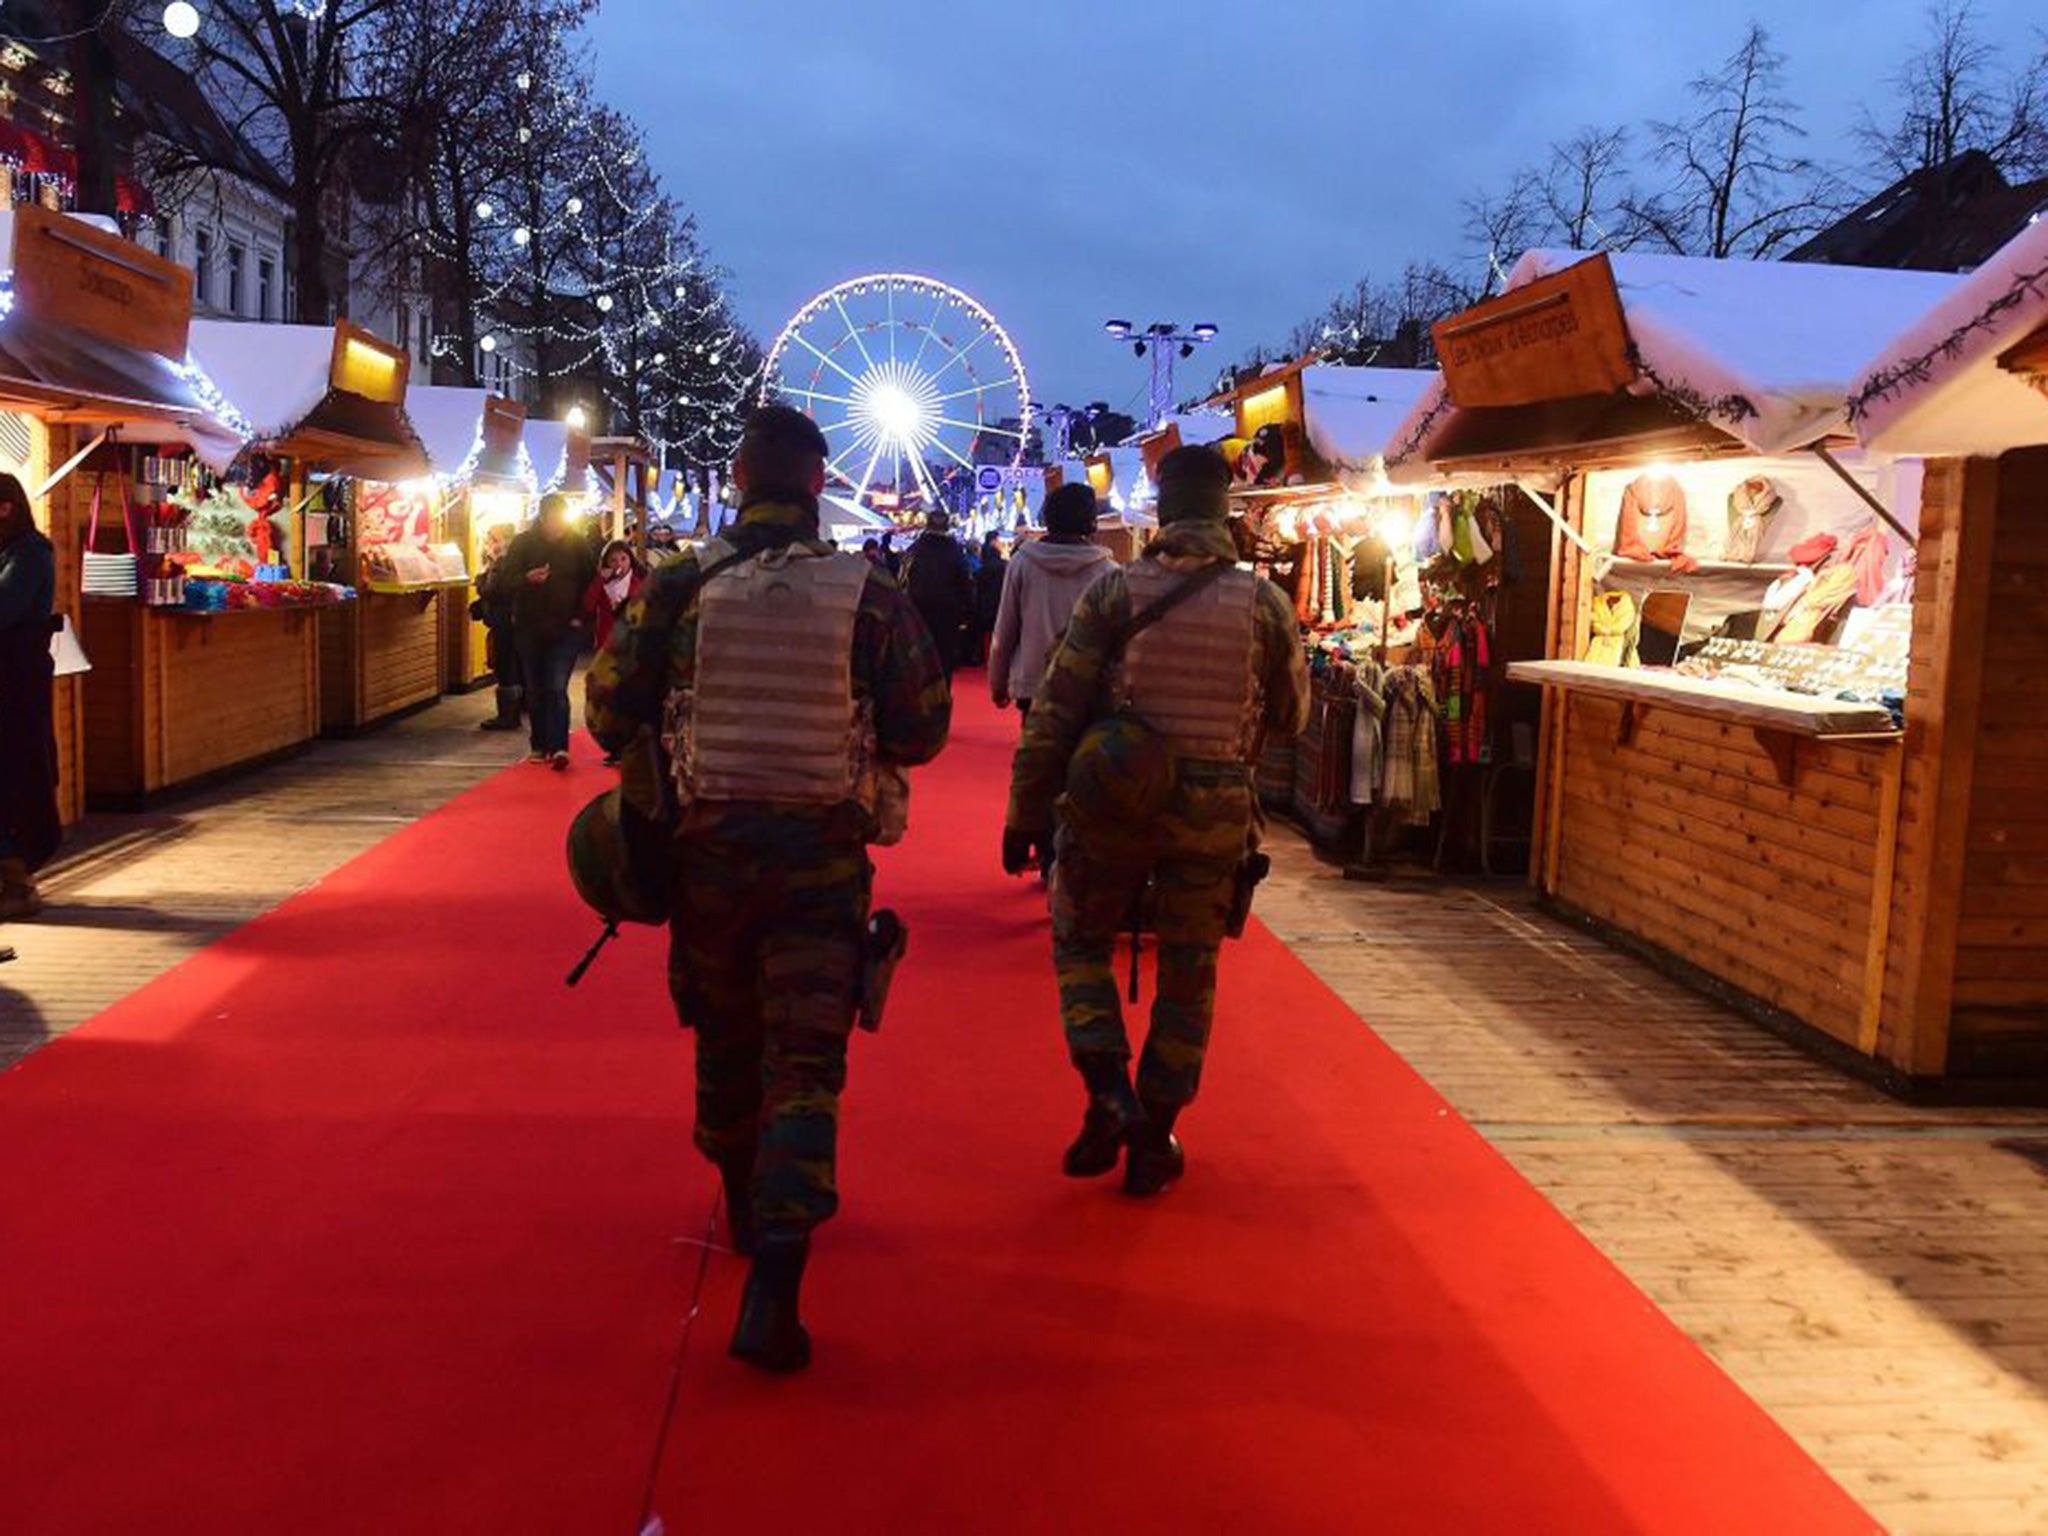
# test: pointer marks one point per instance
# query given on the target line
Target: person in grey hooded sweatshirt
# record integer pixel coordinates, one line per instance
(1045, 580)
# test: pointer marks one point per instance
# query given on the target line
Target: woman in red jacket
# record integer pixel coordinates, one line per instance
(620, 576)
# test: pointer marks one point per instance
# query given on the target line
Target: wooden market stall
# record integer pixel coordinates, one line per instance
(474, 445)
(92, 357)
(625, 471)
(1733, 620)
(329, 402)
(1967, 388)
(92, 338)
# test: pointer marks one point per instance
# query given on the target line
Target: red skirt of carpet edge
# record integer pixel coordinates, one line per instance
(358, 1221)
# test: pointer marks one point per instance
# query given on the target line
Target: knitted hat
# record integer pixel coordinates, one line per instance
(1194, 484)
(1814, 550)
(1070, 511)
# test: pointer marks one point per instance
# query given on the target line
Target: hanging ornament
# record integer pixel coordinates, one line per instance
(575, 205)
(524, 81)
(526, 135)
(484, 210)
(604, 303)
(522, 235)
(489, 343)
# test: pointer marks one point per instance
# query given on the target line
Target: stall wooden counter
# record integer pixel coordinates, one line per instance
(178, 695)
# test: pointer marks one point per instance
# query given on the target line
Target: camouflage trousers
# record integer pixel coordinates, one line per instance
(1192, 883)
(765, 956)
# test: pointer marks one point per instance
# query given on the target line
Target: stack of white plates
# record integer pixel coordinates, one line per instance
(110, 575)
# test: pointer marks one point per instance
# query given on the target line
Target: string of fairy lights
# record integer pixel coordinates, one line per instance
(597, 274)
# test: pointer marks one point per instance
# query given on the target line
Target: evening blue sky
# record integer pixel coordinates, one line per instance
(1068, 161)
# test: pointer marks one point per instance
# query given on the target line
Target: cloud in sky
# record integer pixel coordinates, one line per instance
(1067, 161)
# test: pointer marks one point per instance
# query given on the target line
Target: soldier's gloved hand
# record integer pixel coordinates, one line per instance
(1018, 849)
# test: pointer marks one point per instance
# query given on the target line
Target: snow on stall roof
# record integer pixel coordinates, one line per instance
(1352, 412)
(447, 418)
(1768, 351)
(1936, 387)
(274, 375)
(547, 446)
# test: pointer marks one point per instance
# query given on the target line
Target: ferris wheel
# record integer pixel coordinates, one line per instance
(911, 380)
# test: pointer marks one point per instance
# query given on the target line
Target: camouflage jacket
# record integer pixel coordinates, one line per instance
(654, 649)
(1075, 690)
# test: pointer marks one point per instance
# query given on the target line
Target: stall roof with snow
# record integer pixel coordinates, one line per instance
(1764, 354)
(1350, 413)
(331, 395)
(1970, 376)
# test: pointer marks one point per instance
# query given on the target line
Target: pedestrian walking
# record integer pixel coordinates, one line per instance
(1044, 580)
(621, 575)
(940, 581)
(788, 688)
(493, 609)
(988, 594)
(549, 569)
(30, 827)
(1171, 676)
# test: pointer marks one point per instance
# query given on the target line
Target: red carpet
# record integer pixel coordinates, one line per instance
(359, 1222)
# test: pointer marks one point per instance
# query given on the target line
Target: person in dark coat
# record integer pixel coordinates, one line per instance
(988, 593)
(940, 581)
(493, 609)
(30, 827)
(549, 568)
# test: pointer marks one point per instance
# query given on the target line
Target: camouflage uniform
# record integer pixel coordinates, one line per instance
(771, 901)
(1191, 855)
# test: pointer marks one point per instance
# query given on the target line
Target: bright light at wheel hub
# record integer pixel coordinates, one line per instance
(897, 407)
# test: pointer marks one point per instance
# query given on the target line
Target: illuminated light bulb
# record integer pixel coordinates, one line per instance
(489, 343)
(578, 418)
(660, 358)
(713, 359)
(575, 205)
(522, 235)
(604, 303)
(484, 210)
(526, 135)
(181, 18)
(524, 80)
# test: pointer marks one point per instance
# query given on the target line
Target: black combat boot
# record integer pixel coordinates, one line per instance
(1113, 1109)
(769, 1336)
(1156, 1160)
(737, 1175)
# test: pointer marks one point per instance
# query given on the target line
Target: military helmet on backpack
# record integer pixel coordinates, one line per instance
(615, 865)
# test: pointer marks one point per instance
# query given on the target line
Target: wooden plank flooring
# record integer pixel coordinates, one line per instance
(1875, 1275)
(131, 896)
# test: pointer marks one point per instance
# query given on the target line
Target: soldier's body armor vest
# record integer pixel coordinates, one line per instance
(1190, 675)
(772, 716)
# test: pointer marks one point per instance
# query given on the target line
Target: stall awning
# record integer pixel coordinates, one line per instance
(1959, 381)
(468, 434)
(330, 395)
(1764, 352)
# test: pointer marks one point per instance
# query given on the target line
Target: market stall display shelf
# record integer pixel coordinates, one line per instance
(1762, 708)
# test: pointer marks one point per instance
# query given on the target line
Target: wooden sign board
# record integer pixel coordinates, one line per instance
(366, 366)
(1561, 336)
(76, 274)
(1278, 402)
(1157, 447)
(503, 421)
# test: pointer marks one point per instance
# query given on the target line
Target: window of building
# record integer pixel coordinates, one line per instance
(266, 288)
(236, 259)
(163, 236)
(202, 265)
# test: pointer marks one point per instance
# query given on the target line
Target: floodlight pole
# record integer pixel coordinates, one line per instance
(1165, 341)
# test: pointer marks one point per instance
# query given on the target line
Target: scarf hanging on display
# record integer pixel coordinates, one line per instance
(1614, 631)
(1825, 597)
(1652, 525)
(1751, 505)
(1368, 733)
(1461, 671)
(1413, 783)
(1867, 554)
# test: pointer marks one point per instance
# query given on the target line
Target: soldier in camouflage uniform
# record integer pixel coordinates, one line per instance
(1213, 678)
(756, 661)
